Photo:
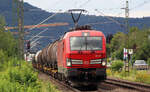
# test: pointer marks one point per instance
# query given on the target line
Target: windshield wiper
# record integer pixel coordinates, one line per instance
(80, 51)
(91, 49)
(89, 46)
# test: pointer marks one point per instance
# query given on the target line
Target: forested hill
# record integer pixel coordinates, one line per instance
(34, 15)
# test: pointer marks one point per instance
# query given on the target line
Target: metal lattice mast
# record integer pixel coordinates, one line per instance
(127, 30)
(20, 14)
(14, 12)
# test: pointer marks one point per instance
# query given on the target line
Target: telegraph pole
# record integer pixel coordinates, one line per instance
(127, 30)
(20, 15)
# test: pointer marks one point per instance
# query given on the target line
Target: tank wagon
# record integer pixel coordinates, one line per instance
(79, 57)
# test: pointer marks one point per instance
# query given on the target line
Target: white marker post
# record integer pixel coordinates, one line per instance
(125, 54)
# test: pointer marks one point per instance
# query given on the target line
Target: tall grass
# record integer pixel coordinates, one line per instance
(133, 75)
(143, 76)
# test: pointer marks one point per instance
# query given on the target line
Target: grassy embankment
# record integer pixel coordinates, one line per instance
(16, 78)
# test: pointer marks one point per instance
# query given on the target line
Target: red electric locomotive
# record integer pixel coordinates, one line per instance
(79, 57)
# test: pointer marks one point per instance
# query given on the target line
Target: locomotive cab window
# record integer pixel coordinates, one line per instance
(86, 43)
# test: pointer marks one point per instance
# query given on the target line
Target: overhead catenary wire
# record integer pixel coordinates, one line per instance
(38, 34)
(109, 18)
(42, 36)
(140, 5)
(95, 23)
(49, 17)
(35, 40)
(83, 4)
(39, 37)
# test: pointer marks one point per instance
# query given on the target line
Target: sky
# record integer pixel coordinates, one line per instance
(138, 8)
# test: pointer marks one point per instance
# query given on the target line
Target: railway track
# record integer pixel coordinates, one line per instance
(70, 89)
(65, 87)
(140, 87)
(60, 85)
(109, 85)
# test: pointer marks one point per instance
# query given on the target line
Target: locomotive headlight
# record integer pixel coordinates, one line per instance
(104, 63)
(96, 61)
(75, 61)
(68, 62)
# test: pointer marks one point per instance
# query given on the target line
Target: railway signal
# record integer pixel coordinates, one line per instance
(28, 45)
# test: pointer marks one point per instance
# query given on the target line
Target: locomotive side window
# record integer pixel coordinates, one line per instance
(86, 43)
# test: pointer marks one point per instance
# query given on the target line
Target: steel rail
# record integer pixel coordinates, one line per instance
(128, 84)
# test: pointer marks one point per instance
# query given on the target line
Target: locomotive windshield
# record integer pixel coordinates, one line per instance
(86, 43)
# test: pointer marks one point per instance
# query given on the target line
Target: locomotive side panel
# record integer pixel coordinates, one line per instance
(60, 51)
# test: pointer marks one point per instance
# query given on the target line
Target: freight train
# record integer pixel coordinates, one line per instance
(79, 57)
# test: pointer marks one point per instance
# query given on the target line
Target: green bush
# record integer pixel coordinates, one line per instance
(3, 59)
(22, 78)
(19, 79)
(117, 65)
(23, 74)
(148, 61)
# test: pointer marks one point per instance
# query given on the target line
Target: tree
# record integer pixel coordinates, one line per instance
(143, 51)
(117, 44)
(7, 41)
(136, 39)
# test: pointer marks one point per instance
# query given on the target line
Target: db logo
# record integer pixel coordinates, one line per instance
(86, 62)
